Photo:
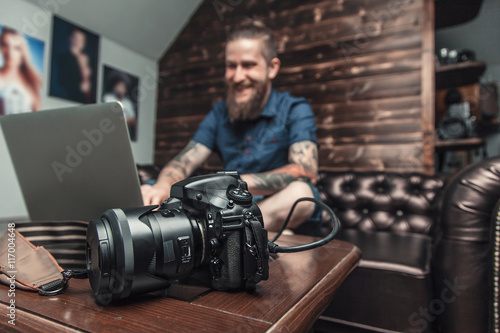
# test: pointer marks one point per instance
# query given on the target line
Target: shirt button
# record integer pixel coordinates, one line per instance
(274, 140)
(248, 138)
(247, 152)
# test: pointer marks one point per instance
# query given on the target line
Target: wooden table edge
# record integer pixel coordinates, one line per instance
(318, 295)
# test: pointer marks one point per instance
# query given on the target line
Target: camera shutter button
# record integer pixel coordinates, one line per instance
(240, 196)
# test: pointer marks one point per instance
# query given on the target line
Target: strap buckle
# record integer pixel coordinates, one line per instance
(56, 287)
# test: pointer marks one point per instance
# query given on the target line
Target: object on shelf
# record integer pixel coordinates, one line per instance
(448, 57)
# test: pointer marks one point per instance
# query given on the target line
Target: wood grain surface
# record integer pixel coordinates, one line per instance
(365, 66)
(299, 288)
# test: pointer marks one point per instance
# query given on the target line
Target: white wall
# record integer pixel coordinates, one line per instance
(36, 21)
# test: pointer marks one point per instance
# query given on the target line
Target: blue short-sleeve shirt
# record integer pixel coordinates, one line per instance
(262, 144)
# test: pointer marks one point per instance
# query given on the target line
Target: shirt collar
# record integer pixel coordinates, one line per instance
(270, 110)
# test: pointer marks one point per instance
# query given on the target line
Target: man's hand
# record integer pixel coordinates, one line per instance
(153, 195)
(182, 166)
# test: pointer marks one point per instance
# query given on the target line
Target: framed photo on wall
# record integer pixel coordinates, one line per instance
(21, 71)
(74, 62)
(124, 87)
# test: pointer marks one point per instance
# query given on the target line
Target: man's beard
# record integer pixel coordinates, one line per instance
(245, 110)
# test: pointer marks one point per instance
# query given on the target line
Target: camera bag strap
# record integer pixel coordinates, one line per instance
(26, 266)
(29, 267)
(65, 240)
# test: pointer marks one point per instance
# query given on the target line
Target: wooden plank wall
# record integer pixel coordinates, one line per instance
(360, 63)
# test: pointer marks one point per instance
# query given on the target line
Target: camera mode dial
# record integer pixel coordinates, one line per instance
(239, 196)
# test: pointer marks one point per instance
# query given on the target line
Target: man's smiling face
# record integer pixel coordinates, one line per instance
(248, 78)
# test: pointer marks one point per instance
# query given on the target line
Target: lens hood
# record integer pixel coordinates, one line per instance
(111, 262)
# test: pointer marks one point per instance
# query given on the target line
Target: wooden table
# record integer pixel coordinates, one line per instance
(299, 288)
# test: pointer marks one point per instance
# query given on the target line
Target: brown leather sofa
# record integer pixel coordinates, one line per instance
(430, 250)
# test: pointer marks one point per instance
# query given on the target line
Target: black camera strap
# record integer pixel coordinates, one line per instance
(261, 245)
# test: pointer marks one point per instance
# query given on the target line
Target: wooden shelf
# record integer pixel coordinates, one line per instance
(457, 75)
(459, 144)
(468, 146)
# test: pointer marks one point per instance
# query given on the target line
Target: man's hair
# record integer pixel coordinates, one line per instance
(255, 30)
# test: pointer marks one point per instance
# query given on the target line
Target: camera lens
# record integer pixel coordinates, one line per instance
(453, 128)
(138, 250)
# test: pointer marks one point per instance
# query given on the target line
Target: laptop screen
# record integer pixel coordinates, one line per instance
(72, 163)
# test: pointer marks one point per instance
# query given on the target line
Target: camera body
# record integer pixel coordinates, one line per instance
(209, 229)
(233, 224)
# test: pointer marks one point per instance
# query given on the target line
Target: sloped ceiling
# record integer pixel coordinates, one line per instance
(145, 26)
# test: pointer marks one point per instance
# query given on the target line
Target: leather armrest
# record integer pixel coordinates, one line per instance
(462, 258)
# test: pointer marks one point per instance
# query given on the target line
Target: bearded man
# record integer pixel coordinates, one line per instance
(269, 137)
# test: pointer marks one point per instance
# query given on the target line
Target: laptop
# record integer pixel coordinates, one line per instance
(66, 164)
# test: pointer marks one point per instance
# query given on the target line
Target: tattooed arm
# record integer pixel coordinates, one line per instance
(179, 168)
(303, 163)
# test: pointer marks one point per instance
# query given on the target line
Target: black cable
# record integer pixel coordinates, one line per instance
(275, 248)
(285, 224)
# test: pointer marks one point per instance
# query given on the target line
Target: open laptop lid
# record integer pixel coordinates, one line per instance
(72, 163)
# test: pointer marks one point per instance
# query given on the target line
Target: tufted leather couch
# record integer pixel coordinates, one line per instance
(430, 250)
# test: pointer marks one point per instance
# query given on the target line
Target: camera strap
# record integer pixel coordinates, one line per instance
(29, 267)
(260, 237)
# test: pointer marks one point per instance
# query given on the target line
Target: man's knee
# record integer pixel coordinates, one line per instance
(299, 189)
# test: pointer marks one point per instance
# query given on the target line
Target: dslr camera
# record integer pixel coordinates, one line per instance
(209, 230)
